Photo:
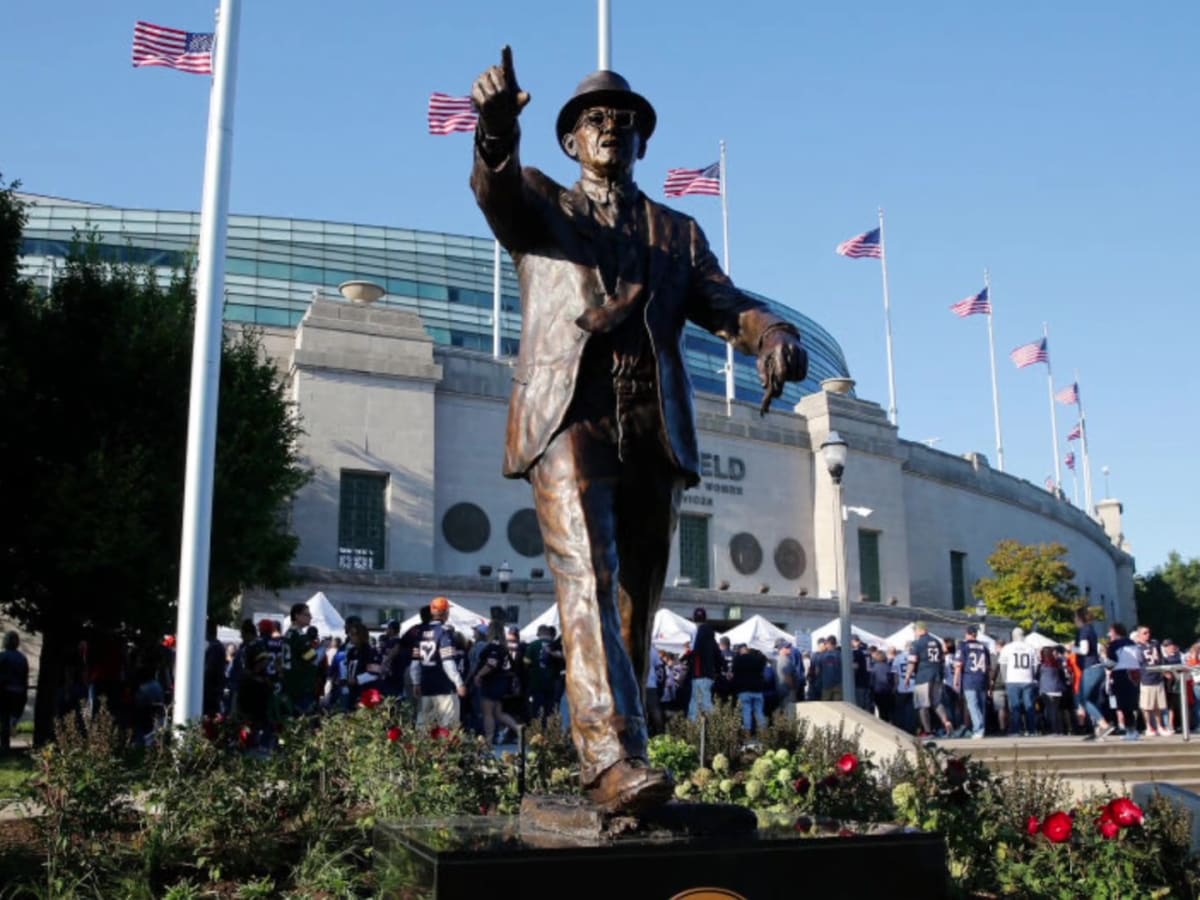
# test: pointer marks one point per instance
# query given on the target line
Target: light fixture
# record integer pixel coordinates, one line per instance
(833, 451)
(764, 588)
(504, 574)
(485, 571)
(361, 292)
(723, 586)
(536, 573)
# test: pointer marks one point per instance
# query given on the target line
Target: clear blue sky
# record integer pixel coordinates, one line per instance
(1054, 143)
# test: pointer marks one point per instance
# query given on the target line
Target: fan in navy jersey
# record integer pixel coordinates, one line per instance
(1152, 694)
(972, 663)
(363, 663)
(437, 682)
(926, 668)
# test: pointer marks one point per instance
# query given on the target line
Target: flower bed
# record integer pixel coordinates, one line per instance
(227, 812)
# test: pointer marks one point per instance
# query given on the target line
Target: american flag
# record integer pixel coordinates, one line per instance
(865, 244)
(706, 181)
(1028, 354)
(976, 304)
(1069, 460)
(450, 114)
(1068, 395)
(155, 45)
(1076, 432)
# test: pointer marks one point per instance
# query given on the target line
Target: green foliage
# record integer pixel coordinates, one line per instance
(1031, 583)
(1168, 598)
(92, 464)
(674, 754)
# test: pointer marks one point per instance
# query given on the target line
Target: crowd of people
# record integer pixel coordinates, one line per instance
(488, 680)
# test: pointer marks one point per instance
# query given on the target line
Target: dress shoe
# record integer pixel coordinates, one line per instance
(631, 786)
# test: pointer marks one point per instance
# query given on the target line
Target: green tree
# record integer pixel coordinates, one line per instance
(1031, 583)
(1168, 598)
(94, 409)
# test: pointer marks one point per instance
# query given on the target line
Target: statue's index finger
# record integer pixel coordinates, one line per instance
(506, 63)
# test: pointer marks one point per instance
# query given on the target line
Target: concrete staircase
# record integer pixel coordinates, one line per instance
(1088, 764)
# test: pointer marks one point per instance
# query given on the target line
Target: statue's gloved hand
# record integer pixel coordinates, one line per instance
(780, 359)
(498, 97)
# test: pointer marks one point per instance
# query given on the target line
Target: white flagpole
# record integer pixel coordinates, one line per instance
(604, 32)
(1083, 445)
(194, 553)
(496, 300)
(995, 387)
(1074, 487)
(1053, 413)
(729, 381)
(887, 319)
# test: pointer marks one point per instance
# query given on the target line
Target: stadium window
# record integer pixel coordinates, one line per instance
(362, 520)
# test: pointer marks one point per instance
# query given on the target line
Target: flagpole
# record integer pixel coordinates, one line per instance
(1074, 487)
(887, 318)
(604, 34)
(496, 300)
(194, 553)
(987, 286)
(729, 381)
(1083, 445)
(1053, 414)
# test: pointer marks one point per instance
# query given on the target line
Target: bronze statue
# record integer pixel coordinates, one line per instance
(601, 420)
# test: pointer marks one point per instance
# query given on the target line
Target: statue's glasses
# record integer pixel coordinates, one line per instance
(623, 119)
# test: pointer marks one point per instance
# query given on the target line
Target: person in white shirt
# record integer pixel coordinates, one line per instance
(1017, 660)
(903, 716)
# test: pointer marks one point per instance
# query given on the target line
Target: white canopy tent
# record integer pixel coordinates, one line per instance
(460, 617)
(905, 636)
(671, 631)
(328, 620)
(549, 617)
(1037, 640)
(758, 633)
(227, 635)
(833, 628)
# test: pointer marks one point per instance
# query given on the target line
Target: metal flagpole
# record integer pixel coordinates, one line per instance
(1053, 414)
(729, 382)
(496, 300)
(1083, 446)
(206, 371)
(604, 30)
(1074, 487)
(987, 285)
(887, 318)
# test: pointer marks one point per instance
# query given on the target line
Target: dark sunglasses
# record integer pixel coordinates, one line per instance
(624, 119)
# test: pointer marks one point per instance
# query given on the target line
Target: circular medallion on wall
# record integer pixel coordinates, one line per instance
(524, 534)
(790, 559)
(466, 528)
(746, 553)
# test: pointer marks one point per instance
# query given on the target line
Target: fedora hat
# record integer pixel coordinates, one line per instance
(606, 88)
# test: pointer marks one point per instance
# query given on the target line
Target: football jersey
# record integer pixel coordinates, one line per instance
(434, 646)
(975, 660)
(299, 663)
(927, 652)
(1151, 656)
(1018, 660)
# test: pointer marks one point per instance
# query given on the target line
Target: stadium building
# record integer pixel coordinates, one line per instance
(403, 406)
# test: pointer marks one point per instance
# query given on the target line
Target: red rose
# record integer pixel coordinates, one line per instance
(804, 824)
(1032, 825)
(848, 764)
(1125, 812)
(1057, 827)
(370, 698)
(439, 733)
(1108, 827)
(801, 785)
(845, 832)
(244, 737)
(394, 733)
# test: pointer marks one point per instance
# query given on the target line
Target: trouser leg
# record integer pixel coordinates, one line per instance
(586, 513)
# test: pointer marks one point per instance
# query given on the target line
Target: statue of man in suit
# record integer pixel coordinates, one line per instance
(600, 420)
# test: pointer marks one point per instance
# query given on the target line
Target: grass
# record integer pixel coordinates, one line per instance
(15, 769)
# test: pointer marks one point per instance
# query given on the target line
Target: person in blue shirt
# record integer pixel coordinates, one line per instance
(437, 682)
(926, 669)
(1091, 682)
(972, 663)
(831, 671)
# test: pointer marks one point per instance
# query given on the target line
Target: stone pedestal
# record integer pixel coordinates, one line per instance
(492, 856)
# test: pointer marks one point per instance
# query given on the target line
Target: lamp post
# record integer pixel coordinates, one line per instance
(981, 611)
(833, 451)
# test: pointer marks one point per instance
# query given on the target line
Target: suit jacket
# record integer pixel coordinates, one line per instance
(550, 233)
